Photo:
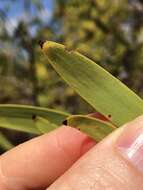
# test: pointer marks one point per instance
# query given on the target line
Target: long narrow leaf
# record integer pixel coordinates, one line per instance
(95, 128)
(23, 118)
(99, 88)
(44, 125)
(5, 143)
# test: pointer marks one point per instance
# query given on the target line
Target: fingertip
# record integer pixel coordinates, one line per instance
(38, 162)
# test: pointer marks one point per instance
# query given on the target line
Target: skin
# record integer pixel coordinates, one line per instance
(67, 159)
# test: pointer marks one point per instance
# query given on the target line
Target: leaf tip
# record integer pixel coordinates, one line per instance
(47, 45)
(41, 43)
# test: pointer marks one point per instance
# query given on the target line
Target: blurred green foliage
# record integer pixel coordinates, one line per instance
(109, 32)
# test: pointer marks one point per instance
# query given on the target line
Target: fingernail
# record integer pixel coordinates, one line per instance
(130, 143)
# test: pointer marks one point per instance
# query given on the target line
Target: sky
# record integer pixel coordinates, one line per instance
(16, 13)
(16, 7)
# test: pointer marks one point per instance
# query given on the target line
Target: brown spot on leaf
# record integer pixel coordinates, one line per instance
(33, 117)
(65, 122)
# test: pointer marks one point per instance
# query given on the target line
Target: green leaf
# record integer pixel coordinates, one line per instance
(23, 118)
(44, 125)
(95, 128)
(5, 143)
(99, 88)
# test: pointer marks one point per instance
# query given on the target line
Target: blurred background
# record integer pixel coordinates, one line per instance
(108, 32)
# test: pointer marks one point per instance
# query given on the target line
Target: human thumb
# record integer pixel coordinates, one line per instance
(116, 163)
